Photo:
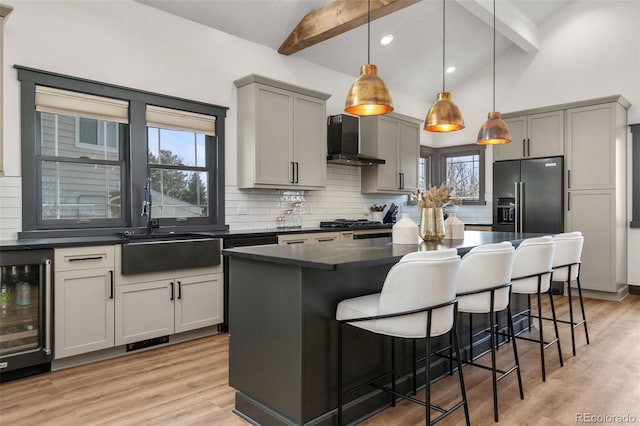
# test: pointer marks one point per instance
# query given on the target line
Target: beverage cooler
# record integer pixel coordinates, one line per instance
(25, 313)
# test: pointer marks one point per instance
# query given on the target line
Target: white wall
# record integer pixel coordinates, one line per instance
(591, 48)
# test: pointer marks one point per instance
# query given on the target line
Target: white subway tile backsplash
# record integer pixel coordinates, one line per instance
(10, 206)
(258, 208)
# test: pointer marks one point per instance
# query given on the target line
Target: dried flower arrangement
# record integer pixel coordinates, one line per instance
(435, 197)
(377, 208)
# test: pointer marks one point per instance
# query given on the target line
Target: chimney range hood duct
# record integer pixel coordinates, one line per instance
(342, 142)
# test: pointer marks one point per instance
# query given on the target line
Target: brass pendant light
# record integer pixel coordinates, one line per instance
(494, 131)
(368, 95)
(444, 115)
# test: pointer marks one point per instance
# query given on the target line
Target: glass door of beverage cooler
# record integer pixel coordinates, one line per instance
(25, 313)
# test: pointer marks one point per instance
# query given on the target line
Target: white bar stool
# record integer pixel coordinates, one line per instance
(532, 275)
(484, 287)
(417, 301)
(566, 268)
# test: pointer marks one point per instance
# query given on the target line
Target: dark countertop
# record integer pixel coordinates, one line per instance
(362, 253)
(59, 242)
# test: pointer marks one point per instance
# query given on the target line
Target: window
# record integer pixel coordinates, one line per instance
(461, 167)
(79, 159)
(178, 163)
(88, 147)
(426, 168)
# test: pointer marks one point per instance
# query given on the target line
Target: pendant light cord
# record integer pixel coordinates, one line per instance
(369, 32)
(494, 55)
(443, 65)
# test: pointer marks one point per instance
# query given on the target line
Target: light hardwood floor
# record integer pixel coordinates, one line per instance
(186, 384)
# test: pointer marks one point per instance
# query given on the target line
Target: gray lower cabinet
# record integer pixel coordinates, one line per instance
(282, 140)
(396, 139)
(162, 307)
(83, 300)
(532, 136)
(96, 307)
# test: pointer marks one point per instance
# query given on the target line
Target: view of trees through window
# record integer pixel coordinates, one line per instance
(461, 167)
(463, 174)
(179, 180)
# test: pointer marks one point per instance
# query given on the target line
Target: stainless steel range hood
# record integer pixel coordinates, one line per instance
(342, 142)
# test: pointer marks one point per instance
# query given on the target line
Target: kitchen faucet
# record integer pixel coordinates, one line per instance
(146, 204)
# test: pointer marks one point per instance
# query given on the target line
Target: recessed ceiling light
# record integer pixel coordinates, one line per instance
(386, 40)
(451, 69)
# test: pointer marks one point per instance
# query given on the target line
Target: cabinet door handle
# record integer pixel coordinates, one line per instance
(528, 147)
(325, 240)
(568, 178)
(111, 284)
(172, 295)
(179, 290)
(568, 201)
(524, 148)
(295, 242)
(293, 172)
(297, 172)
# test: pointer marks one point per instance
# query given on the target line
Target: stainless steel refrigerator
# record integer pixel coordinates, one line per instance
(528, 195)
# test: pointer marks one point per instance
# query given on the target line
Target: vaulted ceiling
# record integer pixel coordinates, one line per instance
(412, 63)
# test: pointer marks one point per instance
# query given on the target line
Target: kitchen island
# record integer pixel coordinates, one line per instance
(283, 335)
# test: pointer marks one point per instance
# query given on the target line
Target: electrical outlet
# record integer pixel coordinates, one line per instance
(243, 208)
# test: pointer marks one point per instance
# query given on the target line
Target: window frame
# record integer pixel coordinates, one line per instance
(135, 155)
(438, 166)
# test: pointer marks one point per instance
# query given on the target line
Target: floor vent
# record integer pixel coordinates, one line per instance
(147, 343)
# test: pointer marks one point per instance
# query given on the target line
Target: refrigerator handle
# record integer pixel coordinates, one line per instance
(47, 307)
(515, 191)
(521, 206)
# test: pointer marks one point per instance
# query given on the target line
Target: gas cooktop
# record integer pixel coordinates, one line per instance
(352, 224)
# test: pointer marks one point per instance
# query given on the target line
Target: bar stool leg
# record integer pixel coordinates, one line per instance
(555, 328)
(544, 376)
(393, 371)
(573, 336)
(340, 401)
(460, 377)
(584, 318)
(415, 375)
(427, 378)
(511, 332)
(493, 367)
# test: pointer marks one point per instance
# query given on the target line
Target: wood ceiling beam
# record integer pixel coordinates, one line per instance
(337, 18)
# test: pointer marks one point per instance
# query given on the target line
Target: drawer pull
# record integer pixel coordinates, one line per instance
(78, 259)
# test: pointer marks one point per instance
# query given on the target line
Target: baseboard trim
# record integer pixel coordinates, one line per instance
(101, 355)
(615, 296)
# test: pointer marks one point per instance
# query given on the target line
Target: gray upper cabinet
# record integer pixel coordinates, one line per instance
(532, 136)
(396, 139)
(282, 131)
